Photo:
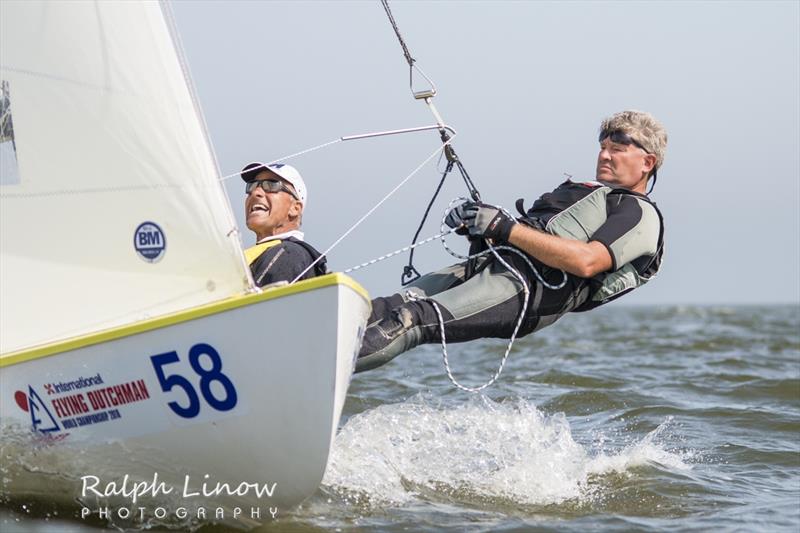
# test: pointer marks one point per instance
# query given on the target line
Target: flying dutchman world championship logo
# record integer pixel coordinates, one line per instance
(81, 402)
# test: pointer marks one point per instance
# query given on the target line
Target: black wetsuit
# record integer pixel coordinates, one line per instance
(285, 260)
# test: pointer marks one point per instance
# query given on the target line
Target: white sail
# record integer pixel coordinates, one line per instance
(110, 205)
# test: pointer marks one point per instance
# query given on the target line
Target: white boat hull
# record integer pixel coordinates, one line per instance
(251, 393)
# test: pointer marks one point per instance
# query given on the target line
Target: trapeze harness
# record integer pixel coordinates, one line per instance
(576, 211)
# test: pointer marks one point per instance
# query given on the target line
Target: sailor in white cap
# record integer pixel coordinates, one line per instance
(276, 198)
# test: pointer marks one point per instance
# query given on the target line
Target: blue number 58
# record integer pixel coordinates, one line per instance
(207, 376)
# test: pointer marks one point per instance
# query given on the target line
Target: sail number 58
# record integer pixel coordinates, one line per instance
(199, 356)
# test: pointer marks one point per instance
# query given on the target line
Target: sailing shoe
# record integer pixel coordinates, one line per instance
(388, 338)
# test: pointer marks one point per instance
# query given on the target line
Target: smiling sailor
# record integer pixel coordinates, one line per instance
(276, 198)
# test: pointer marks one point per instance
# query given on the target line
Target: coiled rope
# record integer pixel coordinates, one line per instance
(523, 311)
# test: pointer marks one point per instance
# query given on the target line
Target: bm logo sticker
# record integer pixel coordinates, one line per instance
(150, 242)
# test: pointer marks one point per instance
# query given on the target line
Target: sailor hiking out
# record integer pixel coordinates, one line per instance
(576, 248)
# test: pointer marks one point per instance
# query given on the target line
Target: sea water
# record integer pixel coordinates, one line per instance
(650, 418)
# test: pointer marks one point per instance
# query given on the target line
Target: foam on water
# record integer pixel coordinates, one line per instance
(480, 450)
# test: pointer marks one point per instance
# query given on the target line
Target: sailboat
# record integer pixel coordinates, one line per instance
(129, 323)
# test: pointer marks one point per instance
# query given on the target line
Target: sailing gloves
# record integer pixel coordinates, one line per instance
(457, 216)
(480, 220)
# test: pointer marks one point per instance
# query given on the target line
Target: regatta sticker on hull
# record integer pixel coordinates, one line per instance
(81, 402)
(149, 241)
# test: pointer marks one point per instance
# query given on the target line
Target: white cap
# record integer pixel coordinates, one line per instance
(285, 172)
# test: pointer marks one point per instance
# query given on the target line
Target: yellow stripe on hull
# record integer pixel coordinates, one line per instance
(20, 356)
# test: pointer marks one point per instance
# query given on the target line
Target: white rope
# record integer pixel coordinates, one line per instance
(400, 251)
(290, 156)
(493, 250)
(372, 210)
(520, 318)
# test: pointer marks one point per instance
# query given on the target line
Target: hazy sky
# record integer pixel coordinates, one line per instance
(526, 85)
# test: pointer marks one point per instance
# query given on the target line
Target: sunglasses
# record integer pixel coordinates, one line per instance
(269, 186)
(620, 137)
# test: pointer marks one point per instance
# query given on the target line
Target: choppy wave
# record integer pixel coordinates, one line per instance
(506, 452)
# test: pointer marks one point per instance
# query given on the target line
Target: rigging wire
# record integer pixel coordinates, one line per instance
(409, 59)
(399, 251)
(356, 137)
(290, 156)
(412, 63)
(372, 210)
(410, 273)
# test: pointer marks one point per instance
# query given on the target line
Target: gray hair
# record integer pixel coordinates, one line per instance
(641, 127)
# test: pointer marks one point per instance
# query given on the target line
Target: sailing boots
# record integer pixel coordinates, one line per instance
(398, 332)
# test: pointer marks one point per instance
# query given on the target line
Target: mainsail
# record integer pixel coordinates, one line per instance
(111, 210)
